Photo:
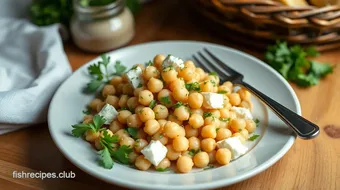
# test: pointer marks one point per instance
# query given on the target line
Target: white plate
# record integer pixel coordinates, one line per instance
(276, 139)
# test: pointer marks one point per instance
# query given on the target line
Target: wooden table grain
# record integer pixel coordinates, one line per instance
(312, 164)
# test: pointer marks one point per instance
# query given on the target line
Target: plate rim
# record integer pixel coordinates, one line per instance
(214, 184)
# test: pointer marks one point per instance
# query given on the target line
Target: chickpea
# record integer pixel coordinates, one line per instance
(195, 100)
(159, 136)
(244, 94)
(165, 163)
(158, 60)
(125, 78)
(94, 103)
(250, 125)
(234, 99)
(187, 153)
(121, 133)
(132, 157)
(211, 120)
(155, 85)
(165, 97)
(207, 86)
(140, 144)
(176, 83)
(232, 115)
(180, 144)
(212, 158)
(134, 121)
(208, 144)
(128, 141)
(123, 115)
(194, 143)
(237, 124)
(182, 113)
(228, 84)
(112, 100)
(190, 132)
(214, 78)
(138, 90)
(172, 129)
(162, 123)
(172, 154)
(100, 106)
(87, 119)
(173, 118)
(142, 163)
(169, 74)
(145, 97)
(225, 89)
(119, 89)
(151, 127)
(208, 131)
(115, 126)
(223, 133)
(244, 133)
(132, 103)
(224, 125)
(116, 80)
(141, 134)
(242, 139)
(223, 156)
(122, 103)
(138, 109)
(180, 94)
(161, 112)
(108, 90)
(150, 72)
(181, 131)
(91, 136)
(201, 72)
(196, 121)
(146, 114)
(109, 132)
(246, 104)
(198, 111)
(190, 64)
(97, 144)
(127, 89)
(201, 159)
(184, 164)
(224, 113)
(215, 113)
(186, 73)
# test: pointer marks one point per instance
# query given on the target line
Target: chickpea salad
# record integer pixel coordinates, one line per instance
(166, 114)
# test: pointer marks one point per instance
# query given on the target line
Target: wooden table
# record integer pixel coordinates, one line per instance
(313, 164)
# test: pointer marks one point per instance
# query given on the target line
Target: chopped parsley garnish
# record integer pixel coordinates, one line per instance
(105, 158)
(225, 119)
(98, 76)
(222, 92)
(252, 138)
(149, 63)
(122, 154)
(213, 82)
(79, 129)
(193, 152)
(87, 111)
(257, 122)
(195, 86)
(178, 104)
(133, 132)
(162, 169)
(139, 85)
(217, 129)
(152, 104)
(239, 130)
(210, 166)
(207, 114)
(165, 100)
(213, 73)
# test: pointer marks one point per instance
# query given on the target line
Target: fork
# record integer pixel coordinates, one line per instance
(301, 126)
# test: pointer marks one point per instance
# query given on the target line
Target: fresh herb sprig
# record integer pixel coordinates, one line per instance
(195, 86)
(95, 126)
(254, 137)
(292, 63)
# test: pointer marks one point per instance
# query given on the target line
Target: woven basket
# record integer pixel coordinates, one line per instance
(261, 22)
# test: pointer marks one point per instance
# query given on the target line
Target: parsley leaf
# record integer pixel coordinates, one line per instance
(87, 111)
(252, 138)
(292, 63)
(152, 104)
(93, 85)
(106, 139)
(207, 114)
(257, 122)
(165, 100)
(213, 73)
(149, 63)
(178, 104)
(192, 152)
(222, 92)
(210, 166)
(121, 155)
(217, 129)
(133, 132)
(120, 69)
(225, 119)
(105, 158)
(162, 169)
(79, 129)
(195, 86)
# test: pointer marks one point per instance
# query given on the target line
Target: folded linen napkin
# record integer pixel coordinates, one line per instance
(32, 66)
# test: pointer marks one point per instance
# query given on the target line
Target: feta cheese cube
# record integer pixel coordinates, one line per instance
(155, 152)
(242, 113)
(173, 61)
(109, 113)
(234, 145)
(212, 100)
(134, 76)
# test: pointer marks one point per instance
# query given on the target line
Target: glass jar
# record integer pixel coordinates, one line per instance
(102, 28)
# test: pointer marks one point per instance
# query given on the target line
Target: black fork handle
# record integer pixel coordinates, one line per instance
(302, 127)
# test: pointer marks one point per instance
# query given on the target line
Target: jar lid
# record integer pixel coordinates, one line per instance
(98, 12)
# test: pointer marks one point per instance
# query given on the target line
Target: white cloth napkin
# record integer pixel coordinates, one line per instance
(32, 66)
